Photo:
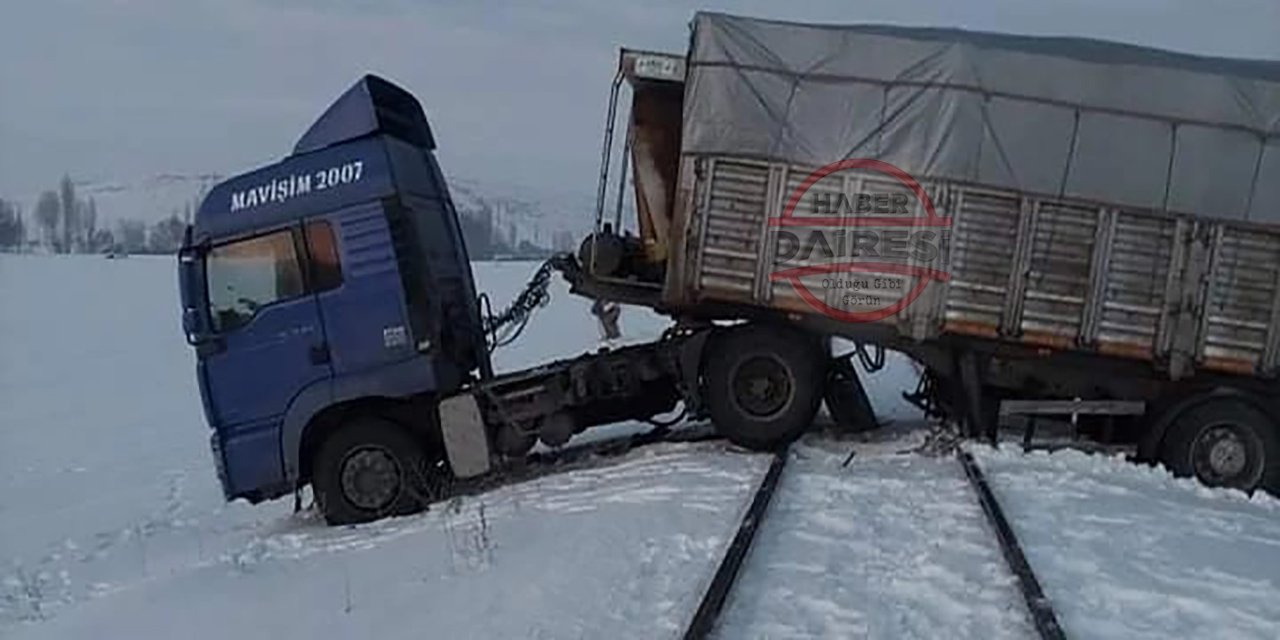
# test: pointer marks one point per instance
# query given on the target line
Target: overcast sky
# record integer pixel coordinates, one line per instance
(120, 90)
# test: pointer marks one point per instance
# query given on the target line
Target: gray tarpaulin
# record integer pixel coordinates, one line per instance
(1058, 116)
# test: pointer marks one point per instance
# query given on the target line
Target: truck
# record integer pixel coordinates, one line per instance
(1047, 226)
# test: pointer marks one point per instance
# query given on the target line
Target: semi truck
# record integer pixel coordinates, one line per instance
(1046, 225)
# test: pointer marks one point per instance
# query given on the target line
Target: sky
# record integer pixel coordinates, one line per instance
(122, 91)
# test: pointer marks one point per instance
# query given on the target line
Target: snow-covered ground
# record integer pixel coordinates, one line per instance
(599, 552)
(891, 546)
(1126, 551)
(112, 525)
(108, 500)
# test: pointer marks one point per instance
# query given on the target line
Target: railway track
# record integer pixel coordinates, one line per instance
(704, 620)
(1041, 610)
(717, 593)
(715, 597)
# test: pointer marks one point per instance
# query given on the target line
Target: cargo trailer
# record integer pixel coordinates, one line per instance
(1086, 221)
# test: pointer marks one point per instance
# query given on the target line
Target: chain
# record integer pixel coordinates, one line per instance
(503, 329)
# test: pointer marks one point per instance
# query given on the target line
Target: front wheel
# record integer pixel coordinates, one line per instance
(1224, 442)
(764, 384)
(372, 468)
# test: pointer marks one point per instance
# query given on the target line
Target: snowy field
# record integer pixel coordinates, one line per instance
(112, 524)
(1131, 552)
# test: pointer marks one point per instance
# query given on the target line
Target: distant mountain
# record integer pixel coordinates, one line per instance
(519, 215)
(514, 216)
(149, 199)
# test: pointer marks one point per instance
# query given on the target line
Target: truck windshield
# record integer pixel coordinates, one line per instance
(245, 275)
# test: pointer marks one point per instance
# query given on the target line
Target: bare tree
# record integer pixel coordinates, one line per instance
(132, 235)
(12, 233)
(70, 213)
(166, 235)
(48, 213)
(89, 226)
(103, 240)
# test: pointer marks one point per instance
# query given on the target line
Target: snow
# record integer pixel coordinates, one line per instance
(600, 550)
(112, 524)
(892, 546)
(1126, 551)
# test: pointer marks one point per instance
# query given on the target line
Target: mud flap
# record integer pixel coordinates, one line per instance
(847, 400)
(466, 441)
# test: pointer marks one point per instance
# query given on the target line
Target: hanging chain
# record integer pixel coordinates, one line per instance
(503, 329)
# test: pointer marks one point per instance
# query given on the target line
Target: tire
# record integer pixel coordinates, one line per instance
(763, 384)
(372, 468)
(1224, 442)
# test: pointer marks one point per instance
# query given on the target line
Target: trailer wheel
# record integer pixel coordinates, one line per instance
(372, 468)
(1224, 442)
(763, 385)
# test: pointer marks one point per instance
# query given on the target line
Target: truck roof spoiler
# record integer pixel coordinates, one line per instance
(373, 105)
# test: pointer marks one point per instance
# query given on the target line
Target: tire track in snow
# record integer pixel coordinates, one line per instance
(37, 587)
(130, 558)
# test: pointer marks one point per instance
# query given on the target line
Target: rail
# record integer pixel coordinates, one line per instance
(1042, 615)
(717, 593)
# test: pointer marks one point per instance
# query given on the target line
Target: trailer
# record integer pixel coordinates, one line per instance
(1051, 221)
(1046, 225)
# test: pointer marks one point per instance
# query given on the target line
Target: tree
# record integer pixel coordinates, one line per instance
(132, 235)
(477, 230)
(70, 213)
(89, 227)
(20, 230)
(103, 240)
(166, 235)
(12, 233)
(48, 212)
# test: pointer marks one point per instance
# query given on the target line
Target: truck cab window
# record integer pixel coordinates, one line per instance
(322, 247)
(246, 275)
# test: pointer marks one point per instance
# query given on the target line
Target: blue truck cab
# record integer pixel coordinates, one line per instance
(332, 280)
(340, 342)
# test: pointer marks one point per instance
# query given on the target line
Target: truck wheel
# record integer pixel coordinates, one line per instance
(763, 385)
(372, 468)
(1225, 442)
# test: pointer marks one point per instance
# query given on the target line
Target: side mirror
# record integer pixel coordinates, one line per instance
(195, 324)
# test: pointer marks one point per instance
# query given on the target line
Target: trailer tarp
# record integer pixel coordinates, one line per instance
(1072, 117)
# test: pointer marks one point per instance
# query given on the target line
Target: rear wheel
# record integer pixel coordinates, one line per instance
(1224, 442)
(764, 384)
(372, 468)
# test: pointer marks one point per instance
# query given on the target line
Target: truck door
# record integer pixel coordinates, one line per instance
(269, 346)
(359, 289)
